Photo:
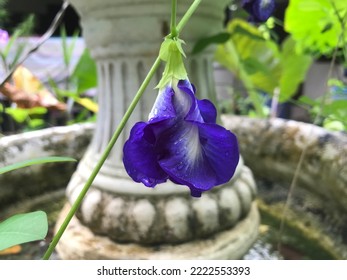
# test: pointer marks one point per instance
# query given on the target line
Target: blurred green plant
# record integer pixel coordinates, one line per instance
(23, 29)
(31, 118)
(82, 78)
(330, 113)
(260, 63)
(319, 28)
(26, 227)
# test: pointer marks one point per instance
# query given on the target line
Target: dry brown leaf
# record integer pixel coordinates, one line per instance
(12, 250)
(28, 92)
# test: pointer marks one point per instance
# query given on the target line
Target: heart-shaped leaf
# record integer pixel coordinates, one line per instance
(22, 228)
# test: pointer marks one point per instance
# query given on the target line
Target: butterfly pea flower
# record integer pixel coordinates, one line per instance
(259, 10)
(181, 141)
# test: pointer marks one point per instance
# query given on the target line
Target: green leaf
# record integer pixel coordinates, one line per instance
(164, 49)
(294, 69)
(246, 49)
(68, 49)
(308, 101)
(22, 228)
(30, 162)
(205, 42)
(266, 66)
(315, 24)
(84, 74)
(20, 115)
(36, 123)
(253, 65)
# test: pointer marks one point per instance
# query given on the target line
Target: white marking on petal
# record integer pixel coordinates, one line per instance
(183, 102)
(193, 144)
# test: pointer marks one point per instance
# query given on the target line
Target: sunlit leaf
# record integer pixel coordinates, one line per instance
(18, 114)
(258, 57)
(22, 228)
(265, 64)
(88, 104)
(315, 24)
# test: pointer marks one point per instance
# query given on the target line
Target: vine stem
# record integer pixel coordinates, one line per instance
(78, 201)
(103, 158)
(173, 29)
(187, 15)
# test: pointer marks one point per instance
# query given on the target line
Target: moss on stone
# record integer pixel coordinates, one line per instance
(299, 232)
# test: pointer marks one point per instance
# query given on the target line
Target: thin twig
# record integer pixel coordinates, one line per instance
(303, 153)
(55, 23)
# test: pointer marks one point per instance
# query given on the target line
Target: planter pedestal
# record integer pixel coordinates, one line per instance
(121, 219)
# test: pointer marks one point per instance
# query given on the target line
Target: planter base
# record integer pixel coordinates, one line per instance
(78, 242)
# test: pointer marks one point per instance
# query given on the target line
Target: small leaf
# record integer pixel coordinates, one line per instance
(179, 43)
(165, 49)
(205, 42)
(84, 73)
(30, 162)
(18, 114)
(22, 228)
(174, 67)
(88, 104)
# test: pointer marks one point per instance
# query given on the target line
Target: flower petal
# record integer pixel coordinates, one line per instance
(200, 156)
(140, 158)
(181, 142)
(163, 105)
(260, 10)
(221, 150)
(208, 111)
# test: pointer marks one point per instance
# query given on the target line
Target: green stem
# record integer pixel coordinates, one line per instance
(187, 15)
(173, 30)
(103, 158)
(113, 140)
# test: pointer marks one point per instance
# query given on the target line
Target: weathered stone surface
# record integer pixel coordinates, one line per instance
(153, 216)
(272, 149)
(79, 242)
(68, 141)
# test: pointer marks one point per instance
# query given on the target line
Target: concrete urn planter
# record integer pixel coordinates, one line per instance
(120, 219)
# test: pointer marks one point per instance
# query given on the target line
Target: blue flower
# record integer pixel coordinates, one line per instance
(181, 142)
(260, 10)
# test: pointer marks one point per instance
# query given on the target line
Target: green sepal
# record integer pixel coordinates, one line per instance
(171, 52)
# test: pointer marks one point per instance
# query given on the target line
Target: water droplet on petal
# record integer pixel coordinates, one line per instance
(180, 166)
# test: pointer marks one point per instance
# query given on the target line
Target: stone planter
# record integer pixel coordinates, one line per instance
(276, 146)
(133, 221)
(31, 181)
(270, 147)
